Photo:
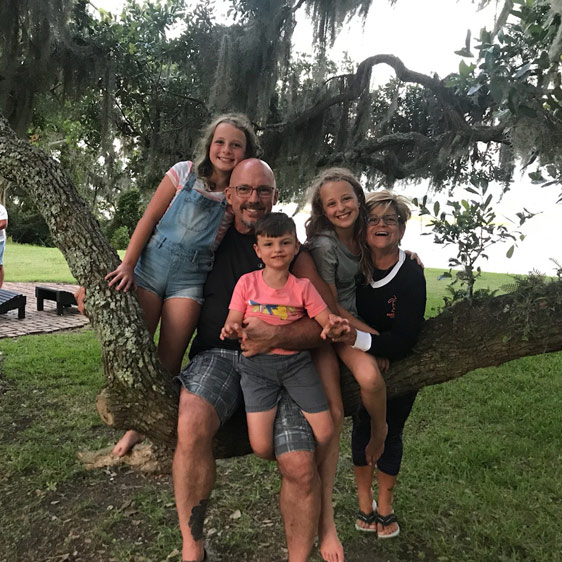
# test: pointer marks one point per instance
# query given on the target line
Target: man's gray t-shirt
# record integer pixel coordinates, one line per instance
(337, 266)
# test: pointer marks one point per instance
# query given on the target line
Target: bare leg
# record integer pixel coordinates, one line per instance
(194, 470)
(260, 432)
(323, 429)
(151, 305)
(364, 481)
(300, 502)
(1, 275)
(326, 363)
(373, 396)
(386, 483)
(178, 322)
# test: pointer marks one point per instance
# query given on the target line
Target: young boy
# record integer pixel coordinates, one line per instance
(278, 297)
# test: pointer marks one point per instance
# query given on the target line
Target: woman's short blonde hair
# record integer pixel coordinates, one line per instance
(389, 199)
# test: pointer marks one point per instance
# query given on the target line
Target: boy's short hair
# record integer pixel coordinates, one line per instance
(275, 225)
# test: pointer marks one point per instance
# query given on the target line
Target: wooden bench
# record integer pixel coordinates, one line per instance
(11, 301)
(62, 298)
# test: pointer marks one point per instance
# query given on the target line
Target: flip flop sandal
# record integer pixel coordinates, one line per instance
(368, 518)
(386, 521)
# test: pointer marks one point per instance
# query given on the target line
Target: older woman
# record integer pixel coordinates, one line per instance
(392, 302)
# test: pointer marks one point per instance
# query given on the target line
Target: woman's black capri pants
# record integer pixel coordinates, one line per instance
(397, 412)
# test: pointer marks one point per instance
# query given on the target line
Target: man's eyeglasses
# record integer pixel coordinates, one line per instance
(388, 220)
(263, 191)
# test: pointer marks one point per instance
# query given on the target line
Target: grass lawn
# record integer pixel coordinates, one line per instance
(480, 479)
(24, 262)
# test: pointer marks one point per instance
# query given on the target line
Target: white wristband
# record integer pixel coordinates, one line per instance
(363, 341)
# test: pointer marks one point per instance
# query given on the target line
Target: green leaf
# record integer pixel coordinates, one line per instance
(523, 70)
(527, 111)
(436, 208)
(474, 89)
(497, 88)
(543, 61)
(464, 53)
(465, 70)
(509, 253)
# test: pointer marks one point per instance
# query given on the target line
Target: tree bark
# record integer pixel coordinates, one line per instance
(138, 392)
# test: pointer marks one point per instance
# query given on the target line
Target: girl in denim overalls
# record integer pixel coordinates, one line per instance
(172, 247)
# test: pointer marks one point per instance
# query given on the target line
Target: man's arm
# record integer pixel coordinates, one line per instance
(3, 224)
(259, 337)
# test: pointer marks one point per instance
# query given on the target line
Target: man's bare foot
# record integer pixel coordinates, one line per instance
(330, 546)
(127, 442)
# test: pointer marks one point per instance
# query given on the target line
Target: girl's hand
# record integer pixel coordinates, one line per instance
(336, 328)
(383, 364)
(80, 296)
(375, 447)
(123, 278)
(414, 256)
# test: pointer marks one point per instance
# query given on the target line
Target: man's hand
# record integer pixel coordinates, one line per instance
(257, 337)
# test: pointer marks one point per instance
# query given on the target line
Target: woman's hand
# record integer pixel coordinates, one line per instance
(123, 278)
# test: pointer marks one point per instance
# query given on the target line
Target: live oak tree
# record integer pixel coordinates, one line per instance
(157, 92)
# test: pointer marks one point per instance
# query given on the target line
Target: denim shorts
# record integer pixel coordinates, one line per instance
(171, 273)
(2, 247)
(213, 375)
(263, 377)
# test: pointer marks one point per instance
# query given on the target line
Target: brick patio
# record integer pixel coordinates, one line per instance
(39, 322)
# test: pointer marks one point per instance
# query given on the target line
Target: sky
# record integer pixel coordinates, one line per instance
(425, 35)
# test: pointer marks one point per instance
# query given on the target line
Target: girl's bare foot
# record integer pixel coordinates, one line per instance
(127, 442)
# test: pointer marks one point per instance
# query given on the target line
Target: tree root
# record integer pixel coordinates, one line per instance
(145, 457)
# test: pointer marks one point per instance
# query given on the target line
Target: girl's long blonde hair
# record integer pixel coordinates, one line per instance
(202, 162)
(318, 223)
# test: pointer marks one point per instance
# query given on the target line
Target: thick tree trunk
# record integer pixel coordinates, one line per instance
(138, 392)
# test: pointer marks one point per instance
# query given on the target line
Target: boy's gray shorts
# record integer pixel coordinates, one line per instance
(264, 376)
(213, 375)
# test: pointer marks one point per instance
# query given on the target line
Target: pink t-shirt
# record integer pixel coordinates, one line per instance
(254, 297)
